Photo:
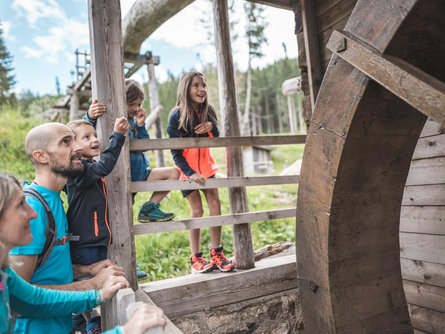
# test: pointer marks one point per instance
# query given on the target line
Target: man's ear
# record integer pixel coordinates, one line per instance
(41, 156)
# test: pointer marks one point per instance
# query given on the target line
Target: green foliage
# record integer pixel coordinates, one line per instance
(256, 23)
(166, 255)
(13, 130)
(7, 81)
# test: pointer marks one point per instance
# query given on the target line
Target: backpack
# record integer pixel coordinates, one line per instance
(50, 230)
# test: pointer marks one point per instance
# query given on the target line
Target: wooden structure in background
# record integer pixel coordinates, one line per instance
(363, 133)
(365, 128)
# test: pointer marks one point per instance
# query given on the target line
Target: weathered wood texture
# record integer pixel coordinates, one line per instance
(420, 90)
(144, 17)
(239, 218)
(108, 87)
(142, 296)
(213, 183)
(422, 235)
(179, 143)
(154, 103)
(357, 157)
(426, 320)
(312, 51)
(242, 239)
(184, 295)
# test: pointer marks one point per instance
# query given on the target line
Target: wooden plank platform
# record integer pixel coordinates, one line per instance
(192, 293)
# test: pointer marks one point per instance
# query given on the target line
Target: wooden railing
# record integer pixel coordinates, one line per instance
(241, 218)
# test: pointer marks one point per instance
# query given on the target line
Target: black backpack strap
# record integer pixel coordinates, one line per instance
(50, 230)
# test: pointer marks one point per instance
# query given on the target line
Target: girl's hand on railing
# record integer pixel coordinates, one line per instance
(145, 317)
(112, 285)
(198, 178)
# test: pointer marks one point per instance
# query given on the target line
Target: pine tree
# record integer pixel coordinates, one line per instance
(6, 77)
(256, 23)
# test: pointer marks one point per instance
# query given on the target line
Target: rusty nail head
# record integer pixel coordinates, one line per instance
(341, 45)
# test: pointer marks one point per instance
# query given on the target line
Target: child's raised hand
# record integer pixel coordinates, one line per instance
(121, 125)
(96, 110)
(203, 127)
(141, 116)
(198, 178)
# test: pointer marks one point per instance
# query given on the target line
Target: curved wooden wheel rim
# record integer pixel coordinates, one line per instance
(357, 157)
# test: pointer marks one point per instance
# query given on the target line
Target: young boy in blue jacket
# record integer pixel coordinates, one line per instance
(87, 198)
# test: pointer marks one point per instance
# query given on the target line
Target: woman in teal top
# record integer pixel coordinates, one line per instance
(25, 299)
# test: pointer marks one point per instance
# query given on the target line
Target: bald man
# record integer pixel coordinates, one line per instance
(55, 156)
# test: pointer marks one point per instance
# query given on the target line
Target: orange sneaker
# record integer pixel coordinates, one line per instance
(199, 264)
(219, 260)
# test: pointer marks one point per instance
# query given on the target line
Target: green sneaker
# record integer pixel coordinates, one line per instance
(150, 212)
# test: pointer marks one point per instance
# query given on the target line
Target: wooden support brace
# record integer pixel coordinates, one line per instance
(180, 143)
(415, 87)
(234, 219)
(166, 185)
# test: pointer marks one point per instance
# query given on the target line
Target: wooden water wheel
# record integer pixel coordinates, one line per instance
(386, 75)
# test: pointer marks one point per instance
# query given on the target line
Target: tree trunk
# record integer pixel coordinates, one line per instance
(246, 125)
(144, 17)
(280, 119)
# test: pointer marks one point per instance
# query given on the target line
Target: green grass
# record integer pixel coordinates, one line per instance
(166, 255)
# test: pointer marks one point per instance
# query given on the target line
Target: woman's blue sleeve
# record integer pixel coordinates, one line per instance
(115, 330)
(31, 301)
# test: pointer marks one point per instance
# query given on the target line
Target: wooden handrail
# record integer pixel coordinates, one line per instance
(180, 143)
(192, 223)
(229, 182)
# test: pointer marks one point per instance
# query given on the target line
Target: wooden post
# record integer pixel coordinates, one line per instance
(310, 31)
(154, 102)
(108, 87)
(242, 239)
(74, 105)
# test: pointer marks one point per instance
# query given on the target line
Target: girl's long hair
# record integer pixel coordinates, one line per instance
(185, 106)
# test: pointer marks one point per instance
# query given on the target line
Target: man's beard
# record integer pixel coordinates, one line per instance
(68, 171)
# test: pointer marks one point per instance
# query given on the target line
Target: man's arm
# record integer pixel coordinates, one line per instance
(26, 265)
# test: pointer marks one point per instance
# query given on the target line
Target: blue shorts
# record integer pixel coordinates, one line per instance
(144, 178)
(88, 255)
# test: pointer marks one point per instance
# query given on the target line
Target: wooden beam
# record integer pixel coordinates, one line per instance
(415, 87)
(427, 320)
(242, 238)
(188, 224)
(426, 219)
(154, 103)
(310, 31)
(142, 296)
(164, 185)
(108, 87)
(282, 4)
(183, 295)
(430, 147)
(423, 247)
(427, 171)
(426, 295)
(179, 143)
(429, 194)
(423, 272)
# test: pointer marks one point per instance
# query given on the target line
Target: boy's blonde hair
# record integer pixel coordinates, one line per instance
(74, 125)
